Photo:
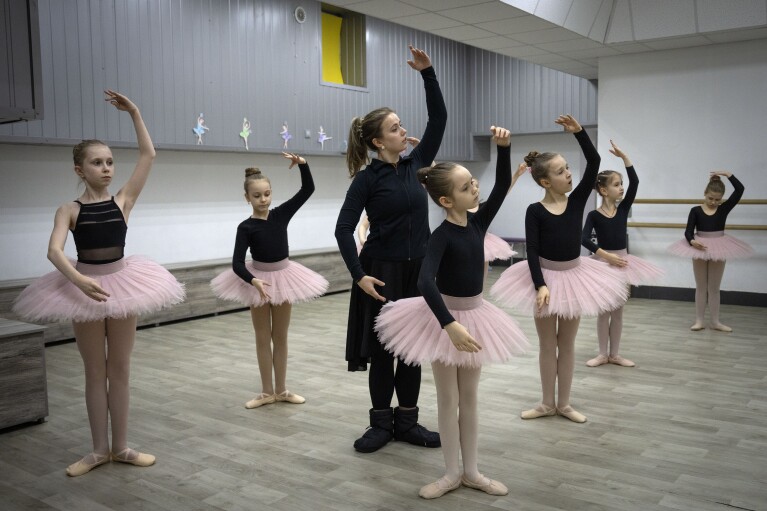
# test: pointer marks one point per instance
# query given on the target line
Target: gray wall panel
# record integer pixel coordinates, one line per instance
(20, 92)
(6, 56)
(231, 59)
(525, 97)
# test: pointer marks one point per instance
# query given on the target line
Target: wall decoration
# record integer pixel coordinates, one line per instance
(285, 134)
(245, 133)
(200, 129)
(322, 137)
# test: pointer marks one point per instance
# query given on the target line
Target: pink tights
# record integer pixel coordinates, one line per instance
(271, 324)
(609, 328)
(708, 279)
(457, 417)
(105, 347)
(556, 359)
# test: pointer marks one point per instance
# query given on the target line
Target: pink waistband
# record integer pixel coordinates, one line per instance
(462, 303)
(275, 266)
(100, 269)
(709, 234)
(559, 265)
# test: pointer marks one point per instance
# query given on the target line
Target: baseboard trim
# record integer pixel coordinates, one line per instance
(682, 294)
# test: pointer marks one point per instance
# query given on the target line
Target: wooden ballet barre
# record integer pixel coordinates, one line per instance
(733, 227)
(751, 202)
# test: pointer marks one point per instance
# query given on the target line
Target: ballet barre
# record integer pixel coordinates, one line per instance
(750, 202)
(730, 227)
(659, 225)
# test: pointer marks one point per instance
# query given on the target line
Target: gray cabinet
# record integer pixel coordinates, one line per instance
(23, 385)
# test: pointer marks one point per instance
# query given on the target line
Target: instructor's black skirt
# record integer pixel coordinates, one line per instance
(401, 279)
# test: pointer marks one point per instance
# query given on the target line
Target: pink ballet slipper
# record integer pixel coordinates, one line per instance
(721, 327)
(131, 457)
(570, 413)
(597, 361)
(620, 361)
(438, 488)
(87, 464)
(539, 411)
(489, 486)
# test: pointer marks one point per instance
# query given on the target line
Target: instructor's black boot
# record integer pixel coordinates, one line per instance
(379, 433)
(407, 429)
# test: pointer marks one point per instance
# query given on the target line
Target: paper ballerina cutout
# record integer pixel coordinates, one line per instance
(200, 129)
(245, 133)
(285, 134)
(322, 137)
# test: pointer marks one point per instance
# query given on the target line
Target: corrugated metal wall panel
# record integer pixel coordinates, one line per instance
(525, 97)
(230, 59)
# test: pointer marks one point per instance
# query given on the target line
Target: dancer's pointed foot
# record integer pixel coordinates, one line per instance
(620, 361)
(539, 411)
(289, 397)
(697, 326)
(87, 464)
(132, 457)
(485, 484)
(569, 412)
(721, 327)
(260, 400)
(439, 487)
(597, 361)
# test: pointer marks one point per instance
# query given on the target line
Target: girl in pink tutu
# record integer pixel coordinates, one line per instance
(103, 292)
(451, 326)
(270, 283)
(555, 284)
(609, 224)
(710, 247)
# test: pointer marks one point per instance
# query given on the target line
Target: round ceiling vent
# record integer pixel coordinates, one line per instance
(300, 14)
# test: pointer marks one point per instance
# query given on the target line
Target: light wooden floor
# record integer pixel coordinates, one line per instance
(685, 430)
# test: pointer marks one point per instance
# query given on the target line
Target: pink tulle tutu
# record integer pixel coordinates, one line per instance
(580, 287)
(289, 282)
(497, 248)
(638, 271)
(136, 286)
(719, 247)
(408, 329)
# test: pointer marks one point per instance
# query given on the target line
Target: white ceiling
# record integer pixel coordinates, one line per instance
(571, 35)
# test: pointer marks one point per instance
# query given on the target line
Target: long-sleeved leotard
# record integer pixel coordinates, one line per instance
(394, 200)
(454, 262)
(558, 237)
(451, 280)
(268, 239)
(611, 232)
(699, 221)
(611, 237)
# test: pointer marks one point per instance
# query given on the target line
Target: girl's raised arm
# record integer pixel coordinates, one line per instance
(129, 193)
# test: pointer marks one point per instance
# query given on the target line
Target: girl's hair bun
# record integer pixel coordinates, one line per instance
(530, 158)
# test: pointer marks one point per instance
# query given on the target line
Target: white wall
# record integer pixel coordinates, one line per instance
(680, 114)
(188, 211)
(510, 221)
